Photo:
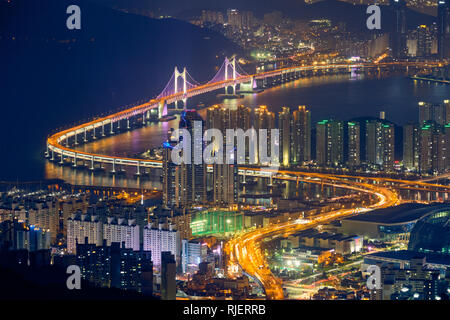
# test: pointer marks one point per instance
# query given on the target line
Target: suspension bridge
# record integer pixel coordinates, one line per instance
(180, 87)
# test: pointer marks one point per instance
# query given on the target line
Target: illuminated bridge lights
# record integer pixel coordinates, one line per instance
(171, 93)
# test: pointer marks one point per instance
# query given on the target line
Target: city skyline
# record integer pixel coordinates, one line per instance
(225, 153)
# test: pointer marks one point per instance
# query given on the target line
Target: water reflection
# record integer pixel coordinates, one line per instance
(326, 96)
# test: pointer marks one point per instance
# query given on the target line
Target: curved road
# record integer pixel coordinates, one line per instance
(245, 250)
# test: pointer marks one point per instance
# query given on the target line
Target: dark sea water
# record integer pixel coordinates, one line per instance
(342, 97)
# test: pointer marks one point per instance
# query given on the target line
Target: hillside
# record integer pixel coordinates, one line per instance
(53, 77)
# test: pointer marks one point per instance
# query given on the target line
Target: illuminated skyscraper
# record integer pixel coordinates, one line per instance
(388, 133)
(265, 120)
(447, 111)
(225, 176)
(443, 29)
(411, 146)
(330, 142)
(301, 135)
(171, 183)
(353, 144)
(192, 176)
(284, 124)
(438, 113)
(380, 144)
(434, 148)
(234, 18)
(424, 41)
(398, 33)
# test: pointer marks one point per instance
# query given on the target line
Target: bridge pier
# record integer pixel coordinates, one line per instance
(162, 109)
(92, 164)
(85, 136)
(74, 161)
(128, 123)
(112, 127)
(62, 158)
(76, 142)
(138, 168)
(103, 129)
(114, 166)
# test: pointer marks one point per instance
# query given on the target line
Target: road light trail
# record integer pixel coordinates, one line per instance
(245, 250)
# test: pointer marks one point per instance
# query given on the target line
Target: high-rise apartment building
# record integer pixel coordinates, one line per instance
(159, 239)
(399, 32)
(225, 175)
(411, 146)
(434, 148)
(191, 177)
(438, 112)
(354, 154)
(82, 228)
(168, 274)
(443, 29)
(330, 142)
(424, 41)
(380, 144)
(284, 125)
(122, 231)
(301, 135)
(114, 266)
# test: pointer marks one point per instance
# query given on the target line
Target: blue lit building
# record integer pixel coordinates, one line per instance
(389, 224)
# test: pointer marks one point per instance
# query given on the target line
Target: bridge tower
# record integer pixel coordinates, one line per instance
(183, 76)
(232, 64)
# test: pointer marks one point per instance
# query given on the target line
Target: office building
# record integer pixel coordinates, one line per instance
(192, 254)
